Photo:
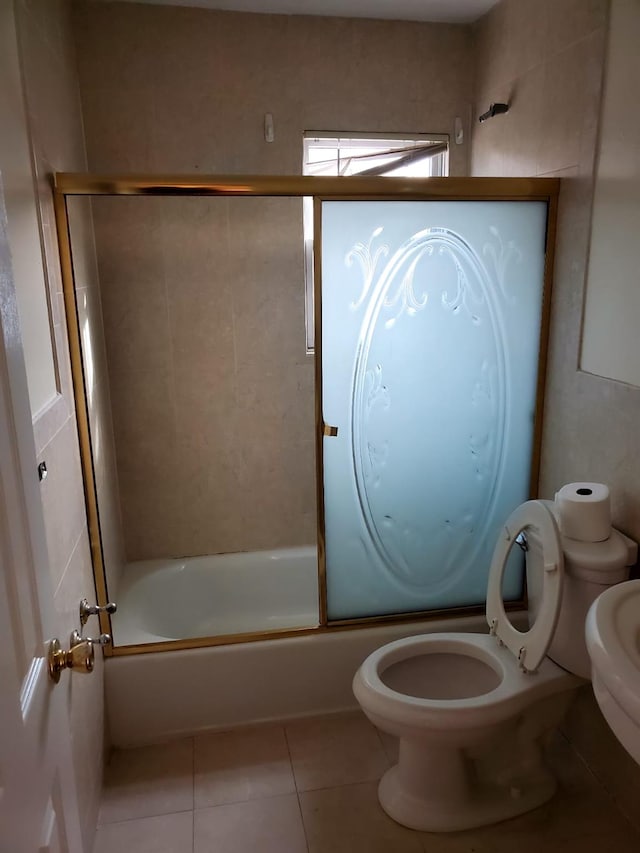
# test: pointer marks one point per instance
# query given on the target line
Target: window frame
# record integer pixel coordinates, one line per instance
(346, 137)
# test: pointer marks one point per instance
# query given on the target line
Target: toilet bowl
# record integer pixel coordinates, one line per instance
(473, 712)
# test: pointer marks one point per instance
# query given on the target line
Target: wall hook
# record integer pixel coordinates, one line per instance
(269, 130)
(494, 110)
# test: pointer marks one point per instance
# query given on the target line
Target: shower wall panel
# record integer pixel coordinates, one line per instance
(168, 89)
(212, 390)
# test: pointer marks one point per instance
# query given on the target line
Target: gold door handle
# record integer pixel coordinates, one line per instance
(329, 430)
(79, 658)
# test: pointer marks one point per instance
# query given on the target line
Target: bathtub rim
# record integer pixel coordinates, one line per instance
(422, 617)
(158, 643)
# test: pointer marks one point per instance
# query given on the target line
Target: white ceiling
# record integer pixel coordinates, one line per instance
(450, 11)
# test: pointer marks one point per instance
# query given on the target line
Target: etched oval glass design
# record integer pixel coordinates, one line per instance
(432, 301)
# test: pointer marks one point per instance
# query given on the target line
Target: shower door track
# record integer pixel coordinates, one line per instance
(69, 184)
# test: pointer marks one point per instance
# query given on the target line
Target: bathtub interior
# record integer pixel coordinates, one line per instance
(217, 595)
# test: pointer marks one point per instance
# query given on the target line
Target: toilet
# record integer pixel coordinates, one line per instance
(473, 712)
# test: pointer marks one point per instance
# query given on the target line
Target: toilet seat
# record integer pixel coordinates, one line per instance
(516, 690)
(528, 647)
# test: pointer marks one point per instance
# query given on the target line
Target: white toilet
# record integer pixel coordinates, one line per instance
(473, 711)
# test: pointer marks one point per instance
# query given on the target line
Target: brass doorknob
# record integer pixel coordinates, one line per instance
(79, 657)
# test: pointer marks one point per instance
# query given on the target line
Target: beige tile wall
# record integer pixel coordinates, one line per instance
(203, 300)
(212, 390)
(90, 320)
(546, 59)
(47, 56)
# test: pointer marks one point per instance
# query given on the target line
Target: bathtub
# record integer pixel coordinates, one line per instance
(163, 695)
(176, 599)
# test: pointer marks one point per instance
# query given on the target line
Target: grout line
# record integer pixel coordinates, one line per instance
(295, 783)
(193, 794)
(140, 817)
(58, 401)
(604, 788)
(293, 774)
(245, 801)
(342, 785)
(384, 748)
(170, 318)
(233, 312)
(75, 547)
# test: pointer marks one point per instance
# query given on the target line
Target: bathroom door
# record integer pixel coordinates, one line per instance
(431, 318)
(38, 801)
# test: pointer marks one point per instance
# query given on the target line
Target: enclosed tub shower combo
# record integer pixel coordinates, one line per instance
(266, 515)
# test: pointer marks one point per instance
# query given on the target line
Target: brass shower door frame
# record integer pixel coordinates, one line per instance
(67, 184)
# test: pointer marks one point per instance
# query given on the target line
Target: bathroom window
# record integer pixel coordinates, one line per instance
(387, 155)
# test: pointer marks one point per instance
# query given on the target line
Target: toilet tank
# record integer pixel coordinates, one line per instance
(589, 569)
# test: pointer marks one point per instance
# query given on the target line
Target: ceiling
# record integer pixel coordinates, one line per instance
(449, 11)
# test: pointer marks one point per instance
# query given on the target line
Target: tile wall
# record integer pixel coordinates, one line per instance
(203, 300)
(546, 58)
(91, 324)
(212, 390)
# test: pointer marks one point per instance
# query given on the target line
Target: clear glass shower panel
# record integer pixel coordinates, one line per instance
(201, 403)
(431, 315)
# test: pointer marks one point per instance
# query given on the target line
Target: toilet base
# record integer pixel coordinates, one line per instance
(481, 807)
(462, 762)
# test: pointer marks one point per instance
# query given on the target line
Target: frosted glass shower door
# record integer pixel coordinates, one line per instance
(431, 316)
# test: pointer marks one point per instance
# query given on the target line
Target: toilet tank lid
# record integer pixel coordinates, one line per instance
(600, 562)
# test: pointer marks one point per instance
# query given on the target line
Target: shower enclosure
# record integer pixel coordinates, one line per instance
(239, 488)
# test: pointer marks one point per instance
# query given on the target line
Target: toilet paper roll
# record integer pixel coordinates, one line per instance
(584, 511)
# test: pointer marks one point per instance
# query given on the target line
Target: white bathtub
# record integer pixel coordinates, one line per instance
(221, 594)
(163, 695)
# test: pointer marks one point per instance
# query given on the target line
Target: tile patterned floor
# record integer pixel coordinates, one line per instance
(310, 787)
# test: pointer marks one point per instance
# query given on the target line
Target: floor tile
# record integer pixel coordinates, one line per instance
(270, 825)
(242, 765)
(518, 836)
(572, 773)
(391, 745)
(149, 780)
(578, 819)
(246, 803)
(581, 807)
(339, 750)
(171, 833)
(349, 819)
